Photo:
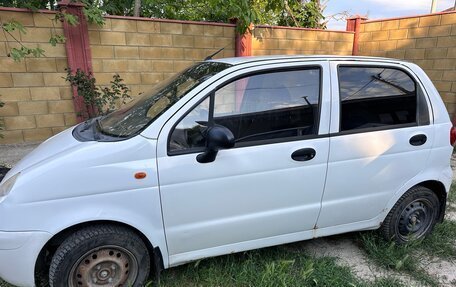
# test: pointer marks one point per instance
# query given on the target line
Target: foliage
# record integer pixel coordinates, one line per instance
(276, 266)
(98, 101)
(91, 11)
(407, 258)
(452, 197)
(301, 13)
(23, 51)
(30, 4)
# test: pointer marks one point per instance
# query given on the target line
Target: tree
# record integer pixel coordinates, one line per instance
(300, 13)
(137, 8)
(30, 4)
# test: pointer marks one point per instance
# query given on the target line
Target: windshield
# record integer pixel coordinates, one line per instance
(139, 113)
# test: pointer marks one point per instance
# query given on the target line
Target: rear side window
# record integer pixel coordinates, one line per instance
(379, 97)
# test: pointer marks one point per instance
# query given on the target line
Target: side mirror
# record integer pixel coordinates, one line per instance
(217, 138)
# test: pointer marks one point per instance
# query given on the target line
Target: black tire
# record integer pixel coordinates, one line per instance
(413, 216)
(102, 255)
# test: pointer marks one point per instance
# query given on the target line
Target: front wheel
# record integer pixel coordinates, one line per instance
(413, 216)
(100, 255)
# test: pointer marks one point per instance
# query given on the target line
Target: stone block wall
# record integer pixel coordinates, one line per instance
(147, 51)
(428, 40)
(38, 102)
(292, 41)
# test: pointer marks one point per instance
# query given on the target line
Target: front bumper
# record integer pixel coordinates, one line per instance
(18, 254)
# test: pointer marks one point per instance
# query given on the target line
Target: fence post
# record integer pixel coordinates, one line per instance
(243, 43)
(354, 25)
(77, 47)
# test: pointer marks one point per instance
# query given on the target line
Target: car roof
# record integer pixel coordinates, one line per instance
(285, 58)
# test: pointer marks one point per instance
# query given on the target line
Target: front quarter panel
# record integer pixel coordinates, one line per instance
(93, 182)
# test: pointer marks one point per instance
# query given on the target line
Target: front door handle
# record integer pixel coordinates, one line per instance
(303, 154)
(418, 140)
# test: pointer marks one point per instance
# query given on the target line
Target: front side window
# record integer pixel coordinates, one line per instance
(259, 108)
(376, 97)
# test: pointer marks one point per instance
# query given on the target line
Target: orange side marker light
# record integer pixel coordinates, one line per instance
(140, 175)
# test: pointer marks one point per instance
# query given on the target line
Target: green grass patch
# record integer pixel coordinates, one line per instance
(280, 266)
(405, 258)
(4, 284)
(270, 267)
(442, 241)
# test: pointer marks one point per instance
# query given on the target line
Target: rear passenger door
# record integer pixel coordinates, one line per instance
(380, 139)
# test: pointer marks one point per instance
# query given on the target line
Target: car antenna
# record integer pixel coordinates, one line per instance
(212, 55)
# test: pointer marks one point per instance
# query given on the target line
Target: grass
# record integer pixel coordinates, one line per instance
(270, 267)
(4, 284)
(442, 241)
(285, 265)
(390, 256)
(406, 258)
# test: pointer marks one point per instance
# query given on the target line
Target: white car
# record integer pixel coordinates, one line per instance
(230, 155)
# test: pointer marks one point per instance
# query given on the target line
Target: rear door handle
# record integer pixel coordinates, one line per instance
(303, 154)
(418, 140)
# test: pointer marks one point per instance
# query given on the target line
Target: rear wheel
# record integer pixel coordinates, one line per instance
(100, 255)
(413, 216)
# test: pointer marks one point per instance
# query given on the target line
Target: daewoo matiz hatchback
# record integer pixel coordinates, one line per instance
(230, 155)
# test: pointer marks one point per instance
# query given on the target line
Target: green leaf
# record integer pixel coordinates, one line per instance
(70, 18)
(13, 25)
(37, 52)
(93, 14)
(18, 54)
(57, 39)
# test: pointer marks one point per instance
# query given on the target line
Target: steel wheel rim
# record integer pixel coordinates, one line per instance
(107, 265)
(415, 220)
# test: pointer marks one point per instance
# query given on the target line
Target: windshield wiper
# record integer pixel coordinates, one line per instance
(96, 129)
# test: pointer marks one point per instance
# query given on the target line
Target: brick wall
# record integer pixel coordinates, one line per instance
(38, 102)
(281, 40)
(429, 41)
(145, 52)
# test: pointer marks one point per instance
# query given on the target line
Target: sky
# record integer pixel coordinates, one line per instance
(379, 9)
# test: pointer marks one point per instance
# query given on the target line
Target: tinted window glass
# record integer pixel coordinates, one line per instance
(261, 107)
(376, 97)
(270, 106)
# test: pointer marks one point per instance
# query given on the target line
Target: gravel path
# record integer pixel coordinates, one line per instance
(10, 154)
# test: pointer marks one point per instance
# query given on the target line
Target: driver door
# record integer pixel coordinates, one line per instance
(267, 189)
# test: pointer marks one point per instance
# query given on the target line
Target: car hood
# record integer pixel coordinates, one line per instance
(49, 149)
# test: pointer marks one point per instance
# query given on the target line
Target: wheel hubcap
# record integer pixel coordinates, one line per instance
(415, 219)
(104, 266)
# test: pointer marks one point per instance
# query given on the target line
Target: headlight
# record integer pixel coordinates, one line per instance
(7, 185)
